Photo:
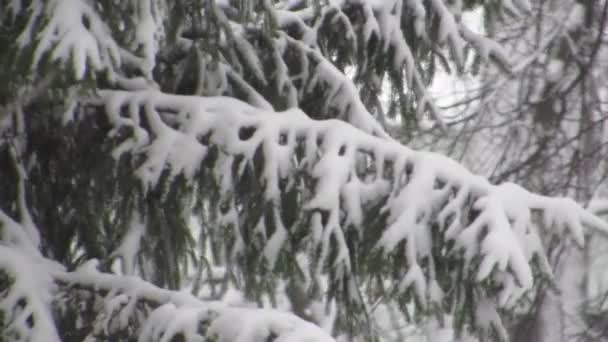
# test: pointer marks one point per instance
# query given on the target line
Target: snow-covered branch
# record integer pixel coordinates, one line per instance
(418, 189)
(272, 147)
(26, 303)
(74, 34)
(259, 51)
(175, 313)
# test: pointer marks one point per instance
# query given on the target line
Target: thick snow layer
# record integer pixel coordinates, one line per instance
(26, 305)
(77, 36)
(494, 223)
(74, 34)
(423, 188)
(182, 313)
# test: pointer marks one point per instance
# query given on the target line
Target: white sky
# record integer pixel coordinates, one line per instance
(448, 88)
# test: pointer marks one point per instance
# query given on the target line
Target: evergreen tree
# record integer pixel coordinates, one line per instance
(191, 170)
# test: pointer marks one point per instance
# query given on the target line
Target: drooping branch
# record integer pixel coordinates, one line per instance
(253, 48)
(349, 169)
(27, 303)
(178, 312)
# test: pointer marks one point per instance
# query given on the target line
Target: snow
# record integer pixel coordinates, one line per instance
(576, 17)
(484, 46)
(503, 232)
(343, 95)
(254, 326)
(421, 190)
(13, 233)
(67, 38)
(555, 70)
(410, 213)
(448, 30)
(436, 333)
(29, 296)
(487, 318)
(147, 33)
(414, 276)
(167, 321)
(129, 247)
(249, 56)
(276, 241)
(180, 312)
(598, 206)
